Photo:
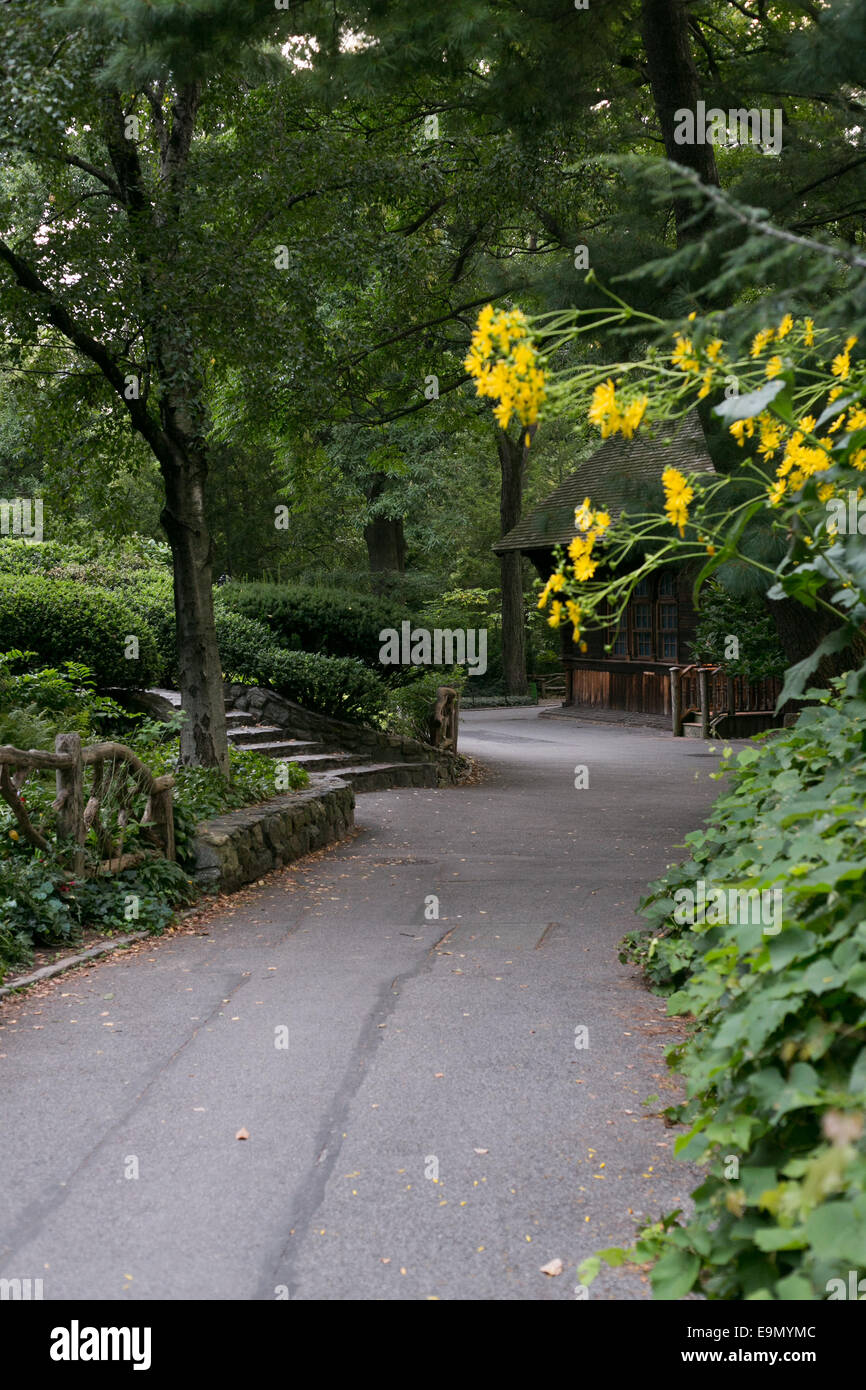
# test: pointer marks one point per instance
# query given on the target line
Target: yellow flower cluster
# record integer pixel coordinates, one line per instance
(504, 362)
(615, 416)
(842, 364)
(678, 495)
(687, 357)
(592, 524)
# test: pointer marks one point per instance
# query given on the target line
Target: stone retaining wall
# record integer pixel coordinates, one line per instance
(301, 723)
(240, 846)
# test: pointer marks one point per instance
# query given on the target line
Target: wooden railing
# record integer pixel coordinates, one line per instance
(117, 776)
(443, 723)
(713, 694)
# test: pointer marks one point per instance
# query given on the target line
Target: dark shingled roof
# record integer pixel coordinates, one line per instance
(615, 477)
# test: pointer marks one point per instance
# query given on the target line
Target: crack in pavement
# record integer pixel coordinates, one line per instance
(34, 1216)
(314, 1186)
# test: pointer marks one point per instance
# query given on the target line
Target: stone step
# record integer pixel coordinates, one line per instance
(381, 777)
(313, 762)
(236, 718)
(245, 734)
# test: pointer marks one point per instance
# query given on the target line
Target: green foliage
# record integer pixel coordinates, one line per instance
(338, 686)
(309, 619)
(776, 1066)
(335, 685)
(61, 620)
(41, 902)
(36, 704)
(409, 706)
(722, 614)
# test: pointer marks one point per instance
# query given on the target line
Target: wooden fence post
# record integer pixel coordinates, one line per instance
(676, 703)
(161, 812)
(70, 798)
(704, 702)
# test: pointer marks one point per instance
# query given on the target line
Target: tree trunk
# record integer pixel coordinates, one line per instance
(203, 738)
(386, 546)
(512, 464)
(676, 87)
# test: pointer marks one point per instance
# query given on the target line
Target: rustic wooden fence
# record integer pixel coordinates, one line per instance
(711, 693)
(116, 776)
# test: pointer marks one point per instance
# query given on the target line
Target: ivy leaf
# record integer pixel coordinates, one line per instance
(797, 675)
(675, 1274)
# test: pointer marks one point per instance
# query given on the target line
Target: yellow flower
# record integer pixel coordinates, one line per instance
(785, 327)
(678, 495)
(574, 614)
(584, 567)
(602, 520)
(825, 492)
(741, 430)
(632, 416)
(760, 341)
(714, 348)
(683, 355)
(583, 515)
(706, 383)
(857, 418)
(772, 432)
(604, 409)
(711, 550)
(841, 366)
(774, 367)
(555, 618)
(809, 332)
(807, 424)
(776, 492)
(858, 461)
(13, 834)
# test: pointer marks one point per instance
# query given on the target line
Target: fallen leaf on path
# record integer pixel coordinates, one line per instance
(553, 1267)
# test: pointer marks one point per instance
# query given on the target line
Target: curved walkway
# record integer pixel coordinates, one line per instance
(421, 1123)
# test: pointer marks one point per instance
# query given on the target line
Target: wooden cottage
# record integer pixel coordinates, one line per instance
(659, 623)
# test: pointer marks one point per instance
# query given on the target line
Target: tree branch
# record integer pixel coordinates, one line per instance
(58, 315)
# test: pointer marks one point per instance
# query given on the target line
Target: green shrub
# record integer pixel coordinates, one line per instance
(108, 564)
(723, 614)
(61, 620)
(334, 685)
(153, 602)
(776, 1066)
(308, 619)
(41, 902)
(408, 708)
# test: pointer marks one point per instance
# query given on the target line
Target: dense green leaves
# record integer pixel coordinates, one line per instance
(776, 1067)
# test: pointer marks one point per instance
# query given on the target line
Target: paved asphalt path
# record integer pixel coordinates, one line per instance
(417, 1050)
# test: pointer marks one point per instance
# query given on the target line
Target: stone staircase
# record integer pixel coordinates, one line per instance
(359, 771)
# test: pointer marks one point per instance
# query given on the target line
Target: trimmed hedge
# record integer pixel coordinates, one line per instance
(337, 686)
(317, 620)
(64, 615)
(61, 621)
